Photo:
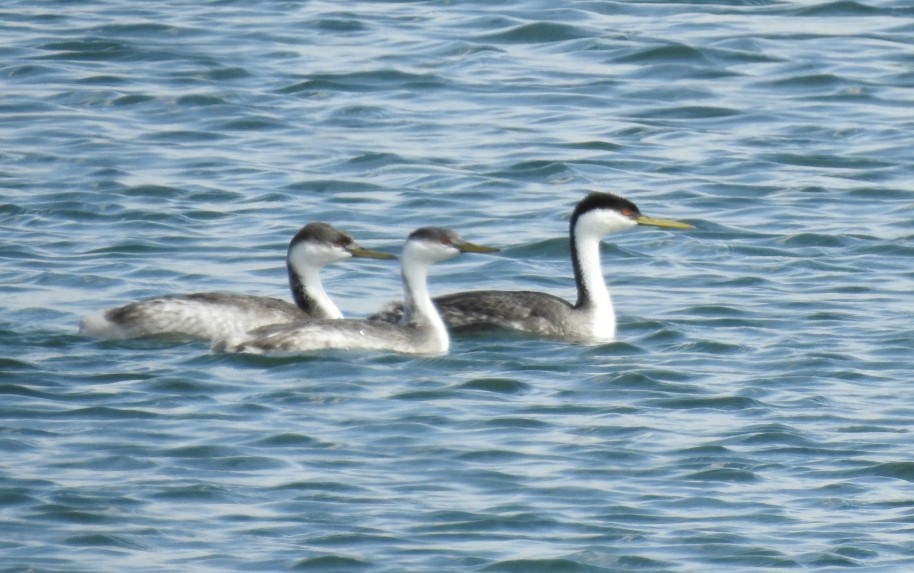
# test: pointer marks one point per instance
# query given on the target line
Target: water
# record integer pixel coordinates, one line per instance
(755, 414)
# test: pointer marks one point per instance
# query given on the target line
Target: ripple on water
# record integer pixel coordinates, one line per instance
(499, 385)
(753, 414)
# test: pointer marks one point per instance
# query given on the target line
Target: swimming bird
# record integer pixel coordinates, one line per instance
(591, 320)
(211, 315)
(420, 331)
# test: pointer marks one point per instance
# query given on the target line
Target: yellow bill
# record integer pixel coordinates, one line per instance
(369, 253)
(466, 247)
(667, 223)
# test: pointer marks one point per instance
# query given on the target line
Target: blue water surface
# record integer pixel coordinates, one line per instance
(756, 412)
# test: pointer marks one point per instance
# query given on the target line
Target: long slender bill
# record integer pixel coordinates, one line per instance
(466, 247)
(369, 253)
(667, 223)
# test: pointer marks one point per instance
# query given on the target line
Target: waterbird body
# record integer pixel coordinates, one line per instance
(420, 331)
(591, 320)
(207, 316)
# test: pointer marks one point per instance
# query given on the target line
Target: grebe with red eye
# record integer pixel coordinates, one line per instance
(212, 315)
(419, 331)
(591, 320)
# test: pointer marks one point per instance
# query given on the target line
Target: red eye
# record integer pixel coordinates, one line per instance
(628, 212)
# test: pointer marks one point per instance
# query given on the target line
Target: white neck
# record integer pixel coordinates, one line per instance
(305, 262)
(314, 289)
(420, 310)
(593, 294)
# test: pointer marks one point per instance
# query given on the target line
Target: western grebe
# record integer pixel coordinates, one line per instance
(590, 320)
(212, 315)
(421, 331)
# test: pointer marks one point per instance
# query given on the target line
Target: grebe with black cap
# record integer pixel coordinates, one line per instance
(420, 330)
(590, 320)
(211, 315)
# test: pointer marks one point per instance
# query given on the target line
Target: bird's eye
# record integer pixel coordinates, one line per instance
(628, 212)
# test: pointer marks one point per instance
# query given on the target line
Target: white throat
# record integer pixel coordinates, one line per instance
(598, 303)
(306, 262)
(314, 289)
(420, 310)
(594, 299)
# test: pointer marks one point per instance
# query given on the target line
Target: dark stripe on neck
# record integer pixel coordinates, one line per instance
(584, 299)
(592, 202)
(299, 294)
